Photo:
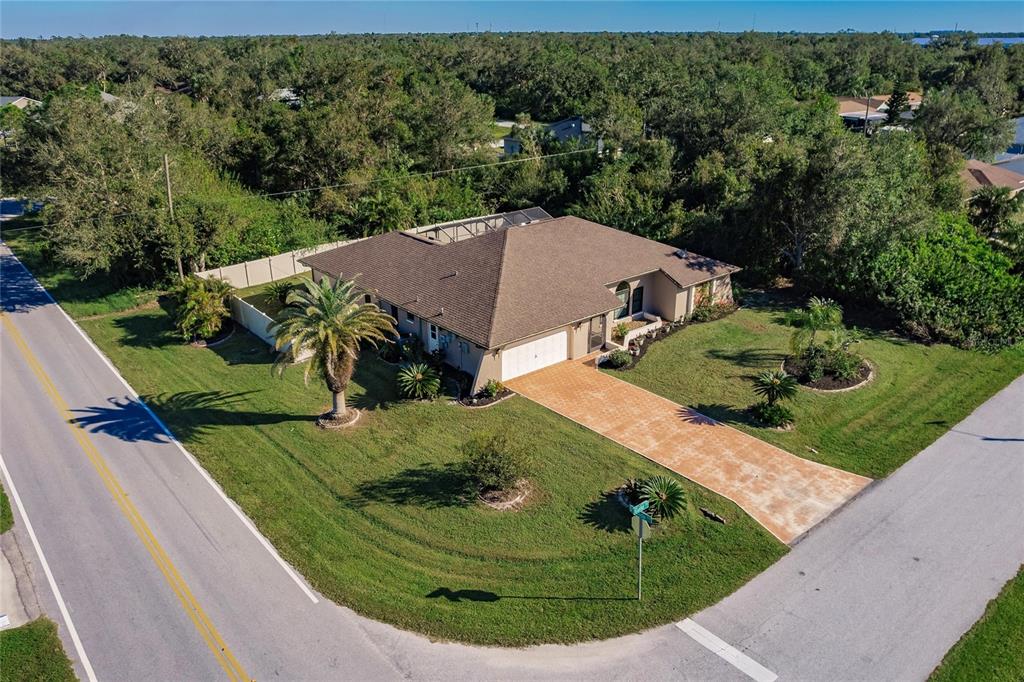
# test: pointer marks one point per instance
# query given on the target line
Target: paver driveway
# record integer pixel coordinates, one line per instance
(785, 493)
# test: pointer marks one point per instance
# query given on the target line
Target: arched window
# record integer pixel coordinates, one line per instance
(622, 292)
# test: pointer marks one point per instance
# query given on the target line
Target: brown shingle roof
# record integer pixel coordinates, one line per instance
(514, 282)
(978, 174)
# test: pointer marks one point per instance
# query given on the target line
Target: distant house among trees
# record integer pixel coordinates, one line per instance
(18, 101)
(572, 128)
(978, 175)
(875, 110)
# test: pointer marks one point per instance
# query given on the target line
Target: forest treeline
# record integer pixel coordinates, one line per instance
(729, 144)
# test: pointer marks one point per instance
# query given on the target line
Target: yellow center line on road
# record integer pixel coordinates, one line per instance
(199, 618)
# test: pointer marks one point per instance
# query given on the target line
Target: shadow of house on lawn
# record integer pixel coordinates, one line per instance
(606, 514)
(187, 414)
(428, 485)
(152, 330)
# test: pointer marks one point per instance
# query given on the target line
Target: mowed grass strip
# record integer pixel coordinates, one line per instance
(918, 392)
(33, 653)
(992, 650)
(379, 518)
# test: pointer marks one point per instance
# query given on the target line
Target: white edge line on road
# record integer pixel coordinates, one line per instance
(188, 455)
(79, 649)
(731, 655)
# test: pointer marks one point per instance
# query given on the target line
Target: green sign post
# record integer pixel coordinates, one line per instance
(642, 527)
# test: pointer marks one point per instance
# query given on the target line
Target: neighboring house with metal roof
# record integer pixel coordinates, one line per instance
(978, 174)
(508, 294)
(18, 101)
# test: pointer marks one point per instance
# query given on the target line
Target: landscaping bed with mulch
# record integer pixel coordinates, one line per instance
(828, 382)
(226, 330)
(483, 400)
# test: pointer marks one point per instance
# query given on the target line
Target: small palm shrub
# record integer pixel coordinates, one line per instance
(419, 381)
(775, 385)
(621, 329)
(493, 388)
(495, 462)
(201, 307)
(617, 359)
(665, 495)
(773, 415)
(280, 289)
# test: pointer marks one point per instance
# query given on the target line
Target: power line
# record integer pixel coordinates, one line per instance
(116, 215)
(428, 173)
(347, 184)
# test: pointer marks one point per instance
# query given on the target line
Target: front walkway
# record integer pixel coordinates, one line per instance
(786, 494)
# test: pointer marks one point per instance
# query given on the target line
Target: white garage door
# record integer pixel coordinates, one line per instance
(534, 355)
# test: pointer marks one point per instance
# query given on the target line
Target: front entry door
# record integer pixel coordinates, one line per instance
(596, 333)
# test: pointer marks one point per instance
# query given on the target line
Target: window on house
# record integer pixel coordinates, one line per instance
(367, 298)
(410, 317)
(622, 292)
(394, 311)
(433, 332)
(638, 300)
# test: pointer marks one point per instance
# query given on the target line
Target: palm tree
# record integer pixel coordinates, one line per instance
(331, 322)
(775, 386)
(820, 315)
(665, 495)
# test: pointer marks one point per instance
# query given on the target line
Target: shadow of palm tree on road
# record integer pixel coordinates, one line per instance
(187, 413)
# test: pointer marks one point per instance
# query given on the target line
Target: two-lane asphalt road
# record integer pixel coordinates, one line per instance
(161, 577)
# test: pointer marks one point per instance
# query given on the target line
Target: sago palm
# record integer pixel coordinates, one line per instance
(665, 495)
(330, 322)
(774, 386)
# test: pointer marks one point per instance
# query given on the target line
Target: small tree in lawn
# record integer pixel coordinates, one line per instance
(495, 462)
(820, 315)
(331, 322)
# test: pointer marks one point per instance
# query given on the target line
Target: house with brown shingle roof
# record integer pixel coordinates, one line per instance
(508, 294)
(978, 174)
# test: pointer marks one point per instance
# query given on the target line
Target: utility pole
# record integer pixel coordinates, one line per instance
(170, 210)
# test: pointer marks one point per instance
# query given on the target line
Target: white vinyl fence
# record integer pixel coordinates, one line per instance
(262, 270)
(256, 321)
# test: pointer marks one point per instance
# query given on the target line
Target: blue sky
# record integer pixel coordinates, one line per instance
(30, 18)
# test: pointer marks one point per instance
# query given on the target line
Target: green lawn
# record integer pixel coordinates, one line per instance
(80, 297)
(992, 650)
(260, 298)
(918, 393)
(33, 653)
(377, 519)
(6, 518)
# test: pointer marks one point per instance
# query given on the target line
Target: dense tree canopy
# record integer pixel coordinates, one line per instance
(726, 143)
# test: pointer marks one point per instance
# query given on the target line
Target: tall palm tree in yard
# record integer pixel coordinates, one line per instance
(330, 321)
